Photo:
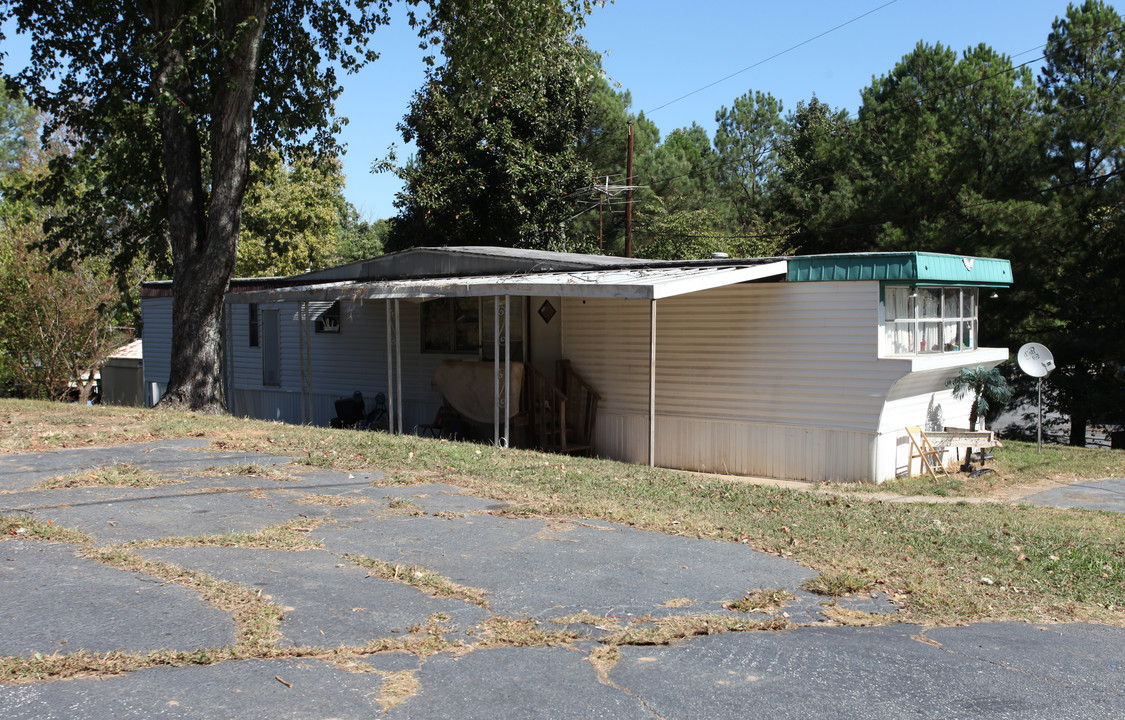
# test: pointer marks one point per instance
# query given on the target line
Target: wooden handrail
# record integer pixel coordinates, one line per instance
(545, 408)
(560, 417)
(583, 402)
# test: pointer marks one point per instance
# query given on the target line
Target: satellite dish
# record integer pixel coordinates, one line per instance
(1036, 360)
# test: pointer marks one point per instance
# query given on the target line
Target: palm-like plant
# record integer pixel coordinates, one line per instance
(987, 386)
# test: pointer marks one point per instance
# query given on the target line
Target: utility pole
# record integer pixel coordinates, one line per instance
(601, 224)
(629, 197)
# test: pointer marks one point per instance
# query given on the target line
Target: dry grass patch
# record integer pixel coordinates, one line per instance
(449, 515)
(757, 601)
(404, 505)
(397, 688)
(676, 603)
(332, 500)
(587, 618)
(499, 631)
(837, 584)
(422, 579)
(36, 667)
(292, 536)
(666, 630)
(115, 475)
(256, 470)
(28, 528)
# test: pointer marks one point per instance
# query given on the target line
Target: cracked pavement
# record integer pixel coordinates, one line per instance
(341, 648)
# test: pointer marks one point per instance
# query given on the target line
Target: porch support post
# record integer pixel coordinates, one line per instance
(652, 384)
(390, 373)
(507, 372)
(496, 399)
(398, 362)
(228, 358)
(303, 356)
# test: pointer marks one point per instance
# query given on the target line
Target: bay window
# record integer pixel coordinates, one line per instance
(924, 320)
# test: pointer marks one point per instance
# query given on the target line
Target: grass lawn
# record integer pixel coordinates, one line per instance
(944, 562)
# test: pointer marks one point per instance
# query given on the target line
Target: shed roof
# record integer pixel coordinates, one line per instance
(429, 262)
(129, 351)
(480, 270)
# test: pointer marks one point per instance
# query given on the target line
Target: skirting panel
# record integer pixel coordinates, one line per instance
(797, 453)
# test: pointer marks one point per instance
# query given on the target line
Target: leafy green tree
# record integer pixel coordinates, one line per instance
(814, 191)
(171, 90)
(497, 174)
(360, 239)
(934, 138)
(660, 234)
(291, 216)
(684, 171)
(747, 142)
(169, 97)
(1075, 266)
(57, 322)
(18, 125)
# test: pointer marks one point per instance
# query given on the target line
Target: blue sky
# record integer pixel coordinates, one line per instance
(661, 50)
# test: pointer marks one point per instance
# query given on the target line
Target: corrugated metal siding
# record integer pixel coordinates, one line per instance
(913, 267)
(337, 364)
(852, 267)
(953, 269)
(156, 314)
(779, 380)
(800, 453)
(622, 437)
(608, 341)
(789, 354)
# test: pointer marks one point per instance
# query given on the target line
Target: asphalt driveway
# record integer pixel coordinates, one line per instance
(340, 650)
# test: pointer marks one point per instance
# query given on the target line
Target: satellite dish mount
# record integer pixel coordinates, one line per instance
(1036, 360)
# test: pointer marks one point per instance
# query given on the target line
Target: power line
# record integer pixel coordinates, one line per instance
(932, 99)
(913, 216)
(773, 57)
(856, 120)
(927, 146)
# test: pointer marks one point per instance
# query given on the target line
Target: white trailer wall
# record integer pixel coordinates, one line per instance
(772, 379)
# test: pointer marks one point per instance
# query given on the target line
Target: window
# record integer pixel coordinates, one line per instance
(451, 325)
(252, 328)
(329, 320)
(271, 348)
(927, 320)
(466, 326)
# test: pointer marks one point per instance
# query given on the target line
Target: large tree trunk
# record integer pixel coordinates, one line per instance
(204, 230)
(1079, 418)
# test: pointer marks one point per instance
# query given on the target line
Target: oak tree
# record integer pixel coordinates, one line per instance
(170, 97)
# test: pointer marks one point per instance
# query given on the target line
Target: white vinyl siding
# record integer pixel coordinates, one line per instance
(772, 379)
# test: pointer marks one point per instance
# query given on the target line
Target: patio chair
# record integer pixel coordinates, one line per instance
(931, 457)
(349, 412)
(433, 429)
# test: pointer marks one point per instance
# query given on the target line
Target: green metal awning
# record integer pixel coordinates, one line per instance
(917, 268)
